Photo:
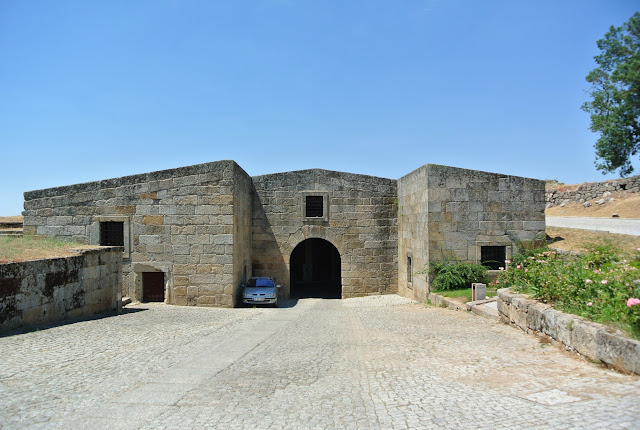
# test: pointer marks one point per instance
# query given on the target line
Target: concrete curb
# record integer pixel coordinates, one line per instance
(595, 341)
(478, 307)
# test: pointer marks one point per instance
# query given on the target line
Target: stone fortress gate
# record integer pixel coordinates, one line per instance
(193, 235)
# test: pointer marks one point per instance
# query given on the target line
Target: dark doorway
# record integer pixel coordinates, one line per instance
(153, 287)
(315, 270)
(493, 257)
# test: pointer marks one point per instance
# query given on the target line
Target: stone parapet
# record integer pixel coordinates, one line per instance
(592, 191)
(595, 341)
(43, 291)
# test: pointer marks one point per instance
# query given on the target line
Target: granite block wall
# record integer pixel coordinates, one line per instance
(180, 222)
(210, 227)
(463, 210)
(50, 290)
(360, 222)
(593, 191)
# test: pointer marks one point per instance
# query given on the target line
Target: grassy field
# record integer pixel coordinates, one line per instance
(26, 248)
(465, 293)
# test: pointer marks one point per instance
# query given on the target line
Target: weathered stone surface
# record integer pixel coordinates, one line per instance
(617, 350)
(593, 191)
(364, 234)
(214, 219)
(54, 289)
(447, 213)
(595, 341)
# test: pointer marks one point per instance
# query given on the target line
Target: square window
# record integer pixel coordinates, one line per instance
(112, 233)
(314, 207)
(493, 257)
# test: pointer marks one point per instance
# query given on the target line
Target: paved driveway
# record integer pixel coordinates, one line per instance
(611, 225)
(376, 362)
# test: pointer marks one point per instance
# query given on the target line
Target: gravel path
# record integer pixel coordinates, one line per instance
(378, 362)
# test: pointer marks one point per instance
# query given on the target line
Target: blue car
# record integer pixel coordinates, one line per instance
(260, 291)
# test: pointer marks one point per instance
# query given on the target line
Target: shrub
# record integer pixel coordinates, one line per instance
(597, 284)
(455, 276)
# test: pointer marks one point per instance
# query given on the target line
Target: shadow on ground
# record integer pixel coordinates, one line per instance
(45, 326)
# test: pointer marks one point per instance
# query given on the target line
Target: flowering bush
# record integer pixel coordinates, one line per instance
(601, 284)
(454, 276)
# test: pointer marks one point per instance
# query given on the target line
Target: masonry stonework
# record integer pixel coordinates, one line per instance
(208, 228)
(53, 289)
(447, 213)
(360, 221)
(181, 222)
(595, 190)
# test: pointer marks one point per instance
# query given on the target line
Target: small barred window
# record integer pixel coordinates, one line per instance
(112, 233)
(314, 207)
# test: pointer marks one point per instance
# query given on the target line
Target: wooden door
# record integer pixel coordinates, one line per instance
(153, 287)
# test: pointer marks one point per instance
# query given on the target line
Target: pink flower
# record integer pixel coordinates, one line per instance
(588, 281)
(526, 270)
(590, 304)
(596, 271)
(509, 261)
(633, 301)
(518, 266)
(604, 281)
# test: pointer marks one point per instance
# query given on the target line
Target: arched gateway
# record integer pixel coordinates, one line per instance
(315, 270)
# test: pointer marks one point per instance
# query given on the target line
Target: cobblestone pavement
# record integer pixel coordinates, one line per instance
(368, 363)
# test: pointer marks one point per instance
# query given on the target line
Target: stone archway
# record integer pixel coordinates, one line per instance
(315, 270)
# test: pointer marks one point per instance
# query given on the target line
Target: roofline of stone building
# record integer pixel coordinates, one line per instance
(129, 180)
(503, 175)
(208, 167)
(318, 170)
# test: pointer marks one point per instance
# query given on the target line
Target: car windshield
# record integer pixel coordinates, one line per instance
(260, 283)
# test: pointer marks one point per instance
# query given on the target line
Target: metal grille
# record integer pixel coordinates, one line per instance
(314, 207)
(493, 256)
(112, 233)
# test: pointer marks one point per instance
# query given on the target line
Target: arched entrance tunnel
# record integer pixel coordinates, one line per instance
(315, 270)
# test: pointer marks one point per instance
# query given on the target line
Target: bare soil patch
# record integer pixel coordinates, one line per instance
(572, 239)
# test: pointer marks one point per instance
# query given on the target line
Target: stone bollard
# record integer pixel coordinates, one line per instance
(478, 291)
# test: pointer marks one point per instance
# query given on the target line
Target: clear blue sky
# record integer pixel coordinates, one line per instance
(92, 90)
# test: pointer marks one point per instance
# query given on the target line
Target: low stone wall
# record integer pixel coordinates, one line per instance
(592, 340)
(592, 191)
(49, 290)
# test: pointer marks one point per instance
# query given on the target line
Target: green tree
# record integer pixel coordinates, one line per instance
(615, 98)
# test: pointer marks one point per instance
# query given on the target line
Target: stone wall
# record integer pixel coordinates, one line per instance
(180, 222)
(413, 234)
(361, 223)
(464, 210)
(242, 203)
(49, 290)
(593, 191)
(592, 340)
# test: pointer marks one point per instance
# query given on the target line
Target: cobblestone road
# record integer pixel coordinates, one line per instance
(368, 363)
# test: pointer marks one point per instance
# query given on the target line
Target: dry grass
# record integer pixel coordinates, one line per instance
(624, 205)
(571, 239)
(27, 248)
(11, 219)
